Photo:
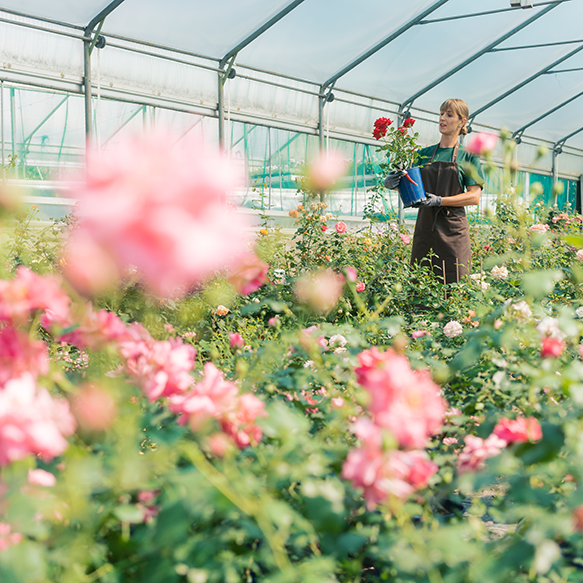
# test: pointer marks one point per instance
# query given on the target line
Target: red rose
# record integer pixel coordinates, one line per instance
(552, 347)
(408, 123)
(380, 127)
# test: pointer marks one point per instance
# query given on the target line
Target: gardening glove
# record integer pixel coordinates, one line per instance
(393, 178)
(431, 200)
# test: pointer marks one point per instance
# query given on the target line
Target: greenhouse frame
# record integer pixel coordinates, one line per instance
(275, 82)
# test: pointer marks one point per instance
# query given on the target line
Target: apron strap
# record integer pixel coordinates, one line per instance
(453, 158)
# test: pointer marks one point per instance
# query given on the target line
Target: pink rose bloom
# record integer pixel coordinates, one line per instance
(580, 255)
(159, 208)
(551, 347)
(324, 228)
(161, 368)
(480, 143)
(20, 354)
(40, 477)
(337, 402)
(240, 424)
(449, 440)
(320, 290)
(539, 228)
(351, 274)
(236, 340)
(32, 422)
(419, 333)
(93, 408)
(360, 286)
(405, 238)
(96, 330)
(249, 274)
(209, 398)
(7, 537)
(406, 402)
(325, 170)
(219, 444)
(28, 292)
(518, 430)
(478, 450)
(340, 227)
(273, 322)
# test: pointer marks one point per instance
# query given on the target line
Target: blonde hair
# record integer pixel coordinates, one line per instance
(459, 107)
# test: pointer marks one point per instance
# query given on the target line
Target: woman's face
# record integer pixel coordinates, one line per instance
(449, 123)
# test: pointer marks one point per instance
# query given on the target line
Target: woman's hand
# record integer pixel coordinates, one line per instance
(393, 178)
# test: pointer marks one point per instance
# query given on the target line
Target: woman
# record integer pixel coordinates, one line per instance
(453, 179)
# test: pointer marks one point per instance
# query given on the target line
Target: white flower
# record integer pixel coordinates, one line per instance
(550, 327)
(338, 340)
(580, 255)
(309, 364)
(499, 272)
(539, 228)
(453, 329)
(478, 279)
(579, 312)
(522, 310)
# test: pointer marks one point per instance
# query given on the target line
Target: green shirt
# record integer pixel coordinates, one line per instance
(470, 168)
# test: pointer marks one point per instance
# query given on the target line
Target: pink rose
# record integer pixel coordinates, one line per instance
(405, 238)
(40, 477)
(20, 354)
(320, 290)
(340, 227)
(273, 322)
(325, 170)
(478, 450)
(419, 333)
(93, 408)
(480, 143)
(360, 286)
(249, 274)
(324, 228)
(519, 429)
(236, 340)
(551, 347)
(351, 274)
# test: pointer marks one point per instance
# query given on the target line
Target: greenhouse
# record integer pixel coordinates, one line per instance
(272, 97)
(291, 291)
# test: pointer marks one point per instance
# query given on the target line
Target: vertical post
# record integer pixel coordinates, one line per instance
(87, 88)
(400, 120)
(221, 111)
(2, 128)
(321, 103)
(13, 129)
(556, 152)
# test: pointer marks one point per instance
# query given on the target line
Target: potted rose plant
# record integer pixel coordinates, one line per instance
(401, 147)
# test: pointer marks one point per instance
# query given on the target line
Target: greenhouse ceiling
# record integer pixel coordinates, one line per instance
(518, 66)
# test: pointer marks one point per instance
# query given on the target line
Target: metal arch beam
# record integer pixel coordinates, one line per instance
(382, 44)
(258, 32)
(523, 83)
(408, 102)
(560, 143)
(518, 133)
(88, 44)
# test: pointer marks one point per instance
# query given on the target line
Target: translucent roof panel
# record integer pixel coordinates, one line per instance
(70, 11)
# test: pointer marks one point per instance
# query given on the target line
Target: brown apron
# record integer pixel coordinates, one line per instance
(442, 230)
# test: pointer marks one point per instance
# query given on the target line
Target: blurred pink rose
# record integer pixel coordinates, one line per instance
(325, 170)
(240, 422)
(340, 227)
(324, 228)
(7, 537)
(419, 333)
(406, 402)
(539, 228)
(31, 421)
(551, 347)
(449, 440)
(159, 208)
(235, 340)
(28, 292)
(580, 255)
(478, 450)
(519, 429)
(405, 238)
(351, 274)
(161, 368)
(93, 408)
(218, 444)
(40, 477)
(249, 274)
(20, 354)
(360, 286)
(481, 143)
(337, 402)
(320, 290)
(273, 322)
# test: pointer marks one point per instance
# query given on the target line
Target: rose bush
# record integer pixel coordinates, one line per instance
(280, 422)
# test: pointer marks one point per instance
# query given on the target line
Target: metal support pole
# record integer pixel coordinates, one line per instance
(321, 103)
(87, 88)
(13, 129)
(2, 128)
(556, 152)
(221, 111)
(400, 120)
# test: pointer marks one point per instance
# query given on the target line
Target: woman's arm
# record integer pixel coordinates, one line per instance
(468, 198)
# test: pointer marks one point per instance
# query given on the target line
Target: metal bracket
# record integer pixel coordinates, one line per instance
(230, 72)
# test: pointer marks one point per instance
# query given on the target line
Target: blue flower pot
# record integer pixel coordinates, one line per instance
(411, 190)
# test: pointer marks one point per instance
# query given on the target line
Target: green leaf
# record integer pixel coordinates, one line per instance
(129, 513)
(541, 283)
(544, 450)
